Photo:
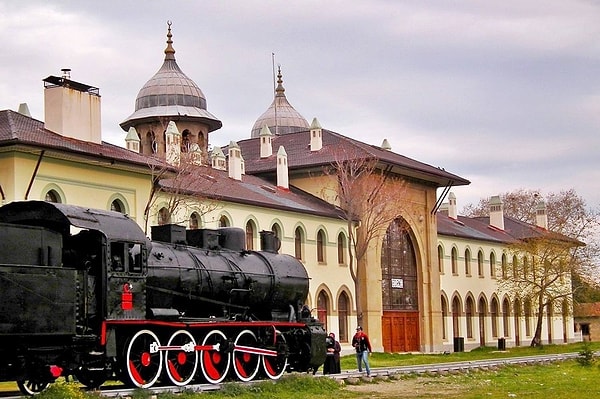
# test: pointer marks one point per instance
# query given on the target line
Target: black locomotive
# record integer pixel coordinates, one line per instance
(84, 292)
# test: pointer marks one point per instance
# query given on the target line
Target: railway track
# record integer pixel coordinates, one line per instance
(486, 364)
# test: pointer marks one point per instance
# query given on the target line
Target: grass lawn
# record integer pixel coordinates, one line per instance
(567, 379)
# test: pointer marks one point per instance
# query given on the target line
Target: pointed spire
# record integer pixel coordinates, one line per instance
(169, 51)
(279, 90)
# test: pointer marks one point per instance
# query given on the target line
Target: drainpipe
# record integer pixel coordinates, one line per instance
(37, 166)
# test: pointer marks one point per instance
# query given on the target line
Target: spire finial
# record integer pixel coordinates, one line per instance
(279, 90)
(169, 51)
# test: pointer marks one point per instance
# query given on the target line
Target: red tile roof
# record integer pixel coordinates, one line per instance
(251, 190)
(338, 147)
(479, 228)
(16, 128)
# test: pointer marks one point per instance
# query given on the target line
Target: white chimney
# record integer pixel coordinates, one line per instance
(316, 135)
(132, 140)
(452, 206)
(235, 161)
(541, 218)
(497, 212)
(282, 169)
(218, 159)
(266, 140)
(385, 145)
(72, 109)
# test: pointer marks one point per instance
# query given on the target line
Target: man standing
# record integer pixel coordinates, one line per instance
(361, 343)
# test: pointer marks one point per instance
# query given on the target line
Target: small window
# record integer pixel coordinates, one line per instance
(341, 245)
(223, 221)
(52, 196)
(321, 247)
(164, 217)
(117, 206)
(298, 243)
(250, 235)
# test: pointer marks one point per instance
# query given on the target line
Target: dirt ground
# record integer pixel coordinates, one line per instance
(419, 387)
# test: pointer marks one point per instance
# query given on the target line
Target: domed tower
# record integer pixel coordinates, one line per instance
(171, 96)
(280, 117)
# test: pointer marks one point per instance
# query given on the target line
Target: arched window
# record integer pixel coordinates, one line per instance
(185, 141)
(276, 229)
(194, 221)
(515, 267)
(454, 261)
(341, 246)
(250, 229)
(52, 196)
(480, 263)
(504, 266)
(399, 269)
(323, 308)
(117, 206)
(492, 264)
(444, 318)
(525, 267)
(164, 217)
(469, 317)
(224, 221)
(343, 315)
(482, 315)
(320, 246)
(440, 259)
(455, 317)
(505, 317)
(494, 315)
(467, 262)
(299, 243)
(527, 309)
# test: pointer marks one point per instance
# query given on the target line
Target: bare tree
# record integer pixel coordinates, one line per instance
(545, 261)
(371, 198)
(180, 180)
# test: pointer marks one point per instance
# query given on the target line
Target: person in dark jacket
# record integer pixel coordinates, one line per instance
(361, 343)
(332, 360)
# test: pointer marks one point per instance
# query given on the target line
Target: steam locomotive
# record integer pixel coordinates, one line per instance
(84, 292)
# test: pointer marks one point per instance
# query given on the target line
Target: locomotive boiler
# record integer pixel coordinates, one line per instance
(84, 292)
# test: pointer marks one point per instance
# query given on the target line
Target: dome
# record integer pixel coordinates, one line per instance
(171, 93)
(280, 117)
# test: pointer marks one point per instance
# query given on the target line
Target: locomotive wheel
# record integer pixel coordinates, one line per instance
(275, 366)
(245, 362)
(181, 364)
(214, 360)
(31, 387)
(143, 359)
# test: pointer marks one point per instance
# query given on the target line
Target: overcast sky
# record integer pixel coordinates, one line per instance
(503, 93)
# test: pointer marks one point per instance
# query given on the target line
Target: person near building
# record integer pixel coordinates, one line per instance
(361, 343)
(332, 360)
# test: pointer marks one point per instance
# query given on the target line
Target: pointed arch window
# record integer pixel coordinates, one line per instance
(320, 246)
(250, 229)
(399, 269)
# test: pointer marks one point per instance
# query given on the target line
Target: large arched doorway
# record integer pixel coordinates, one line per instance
(399, 286)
